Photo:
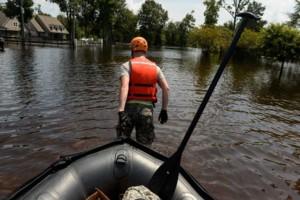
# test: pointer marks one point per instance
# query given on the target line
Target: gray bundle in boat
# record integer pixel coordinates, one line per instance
(139, 192)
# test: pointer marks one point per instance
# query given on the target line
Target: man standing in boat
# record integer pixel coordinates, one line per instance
(138, 79)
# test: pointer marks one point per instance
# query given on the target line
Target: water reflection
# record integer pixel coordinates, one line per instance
(58, 101)
(206, 66)
(93, 54)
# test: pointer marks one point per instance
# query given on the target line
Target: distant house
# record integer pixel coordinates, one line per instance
(53, 28)
(35, 30)
(41, 27)
(9, 27)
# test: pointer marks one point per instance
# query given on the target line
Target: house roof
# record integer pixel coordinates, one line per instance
(34, 25)
(9, 24)
(3, 19)
(51, 24)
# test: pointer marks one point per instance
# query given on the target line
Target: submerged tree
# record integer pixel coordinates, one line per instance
(185, 27)
(151, 20)
(171, 34)
(22, 9)
(87, 19)
(106, 14)
(211, 12)
(96, 16)
(249, 41)
(210, 39)
(176, 33)
(281, 42)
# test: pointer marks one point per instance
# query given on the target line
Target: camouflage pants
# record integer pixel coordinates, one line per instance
(140, 117)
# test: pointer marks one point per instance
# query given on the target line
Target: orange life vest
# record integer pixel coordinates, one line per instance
(143, 79)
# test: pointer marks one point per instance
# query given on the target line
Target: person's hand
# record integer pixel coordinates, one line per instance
(124, 126)
(122, 117)
(163, 116)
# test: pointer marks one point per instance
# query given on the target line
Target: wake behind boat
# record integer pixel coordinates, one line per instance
(112, 168)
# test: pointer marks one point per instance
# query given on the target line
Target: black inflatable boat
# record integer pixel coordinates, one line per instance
(113, 168)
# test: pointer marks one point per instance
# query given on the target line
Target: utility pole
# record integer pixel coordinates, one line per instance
(73, 30)
(22, 23)
(73, 12)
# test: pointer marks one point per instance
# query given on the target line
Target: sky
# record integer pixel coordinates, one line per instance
(276, 10)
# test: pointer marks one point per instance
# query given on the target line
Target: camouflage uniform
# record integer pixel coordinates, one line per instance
(139, 116)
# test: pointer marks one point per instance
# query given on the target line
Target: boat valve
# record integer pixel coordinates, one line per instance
(122, 164)
(121, 160)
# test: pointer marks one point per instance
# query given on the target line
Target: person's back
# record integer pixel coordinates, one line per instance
(138, 78)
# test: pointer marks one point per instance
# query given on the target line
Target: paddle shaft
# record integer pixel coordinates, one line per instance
(212, 86)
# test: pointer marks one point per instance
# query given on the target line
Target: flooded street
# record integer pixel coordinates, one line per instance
(56, 101)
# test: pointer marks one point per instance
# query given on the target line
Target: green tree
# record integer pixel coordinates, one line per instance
(249, 41)
(13, 9)
(171, 33)
(229, 25)
(233, 7)
(1, 8)
(211, 12)
(295, 16)
(100, 16)
(151, 20)
(86, 19)
(97, 17)
(106, 14)
(185, 26)
(71, 9)
(125, 26)
(176, 33)
(62, 19)
(258, 9)
(210, 39)
(281, 43)
(22, 9)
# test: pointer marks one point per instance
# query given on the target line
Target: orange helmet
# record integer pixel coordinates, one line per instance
(139, 44)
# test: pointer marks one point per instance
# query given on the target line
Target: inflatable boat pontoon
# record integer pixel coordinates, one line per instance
(112, 168)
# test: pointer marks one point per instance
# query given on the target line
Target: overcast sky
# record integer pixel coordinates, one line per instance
(276, 10)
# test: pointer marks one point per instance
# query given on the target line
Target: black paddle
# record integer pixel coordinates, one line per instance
(165, 178)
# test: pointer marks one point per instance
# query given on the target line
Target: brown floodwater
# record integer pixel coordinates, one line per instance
(57, 101)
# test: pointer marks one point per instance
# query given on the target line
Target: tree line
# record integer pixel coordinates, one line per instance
(114, 22)
(278, 42)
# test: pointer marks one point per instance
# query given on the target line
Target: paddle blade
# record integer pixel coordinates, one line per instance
(164, 180)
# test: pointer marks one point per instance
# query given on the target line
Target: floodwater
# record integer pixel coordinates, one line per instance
(57, 101)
